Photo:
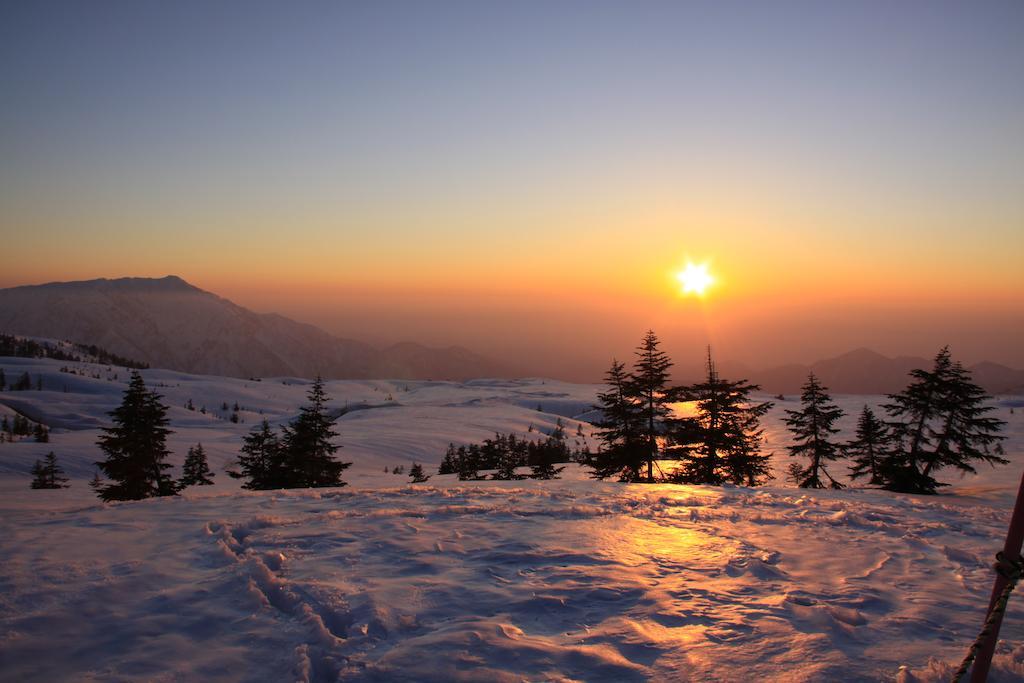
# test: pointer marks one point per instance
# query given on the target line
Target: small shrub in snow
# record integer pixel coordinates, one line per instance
(48, 474)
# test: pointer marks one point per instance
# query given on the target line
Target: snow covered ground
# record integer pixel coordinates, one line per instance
(568, 580)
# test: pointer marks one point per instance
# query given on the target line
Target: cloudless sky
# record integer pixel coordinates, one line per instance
(525, 178)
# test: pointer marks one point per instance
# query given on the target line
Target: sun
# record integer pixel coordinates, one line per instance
(695, 278)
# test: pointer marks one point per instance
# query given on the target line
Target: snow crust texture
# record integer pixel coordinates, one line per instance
(567, 580)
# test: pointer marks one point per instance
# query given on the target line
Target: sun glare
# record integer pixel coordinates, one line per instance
(695, 278)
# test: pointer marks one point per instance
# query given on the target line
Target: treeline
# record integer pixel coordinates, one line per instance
(940, 420)
(233, 416)
(644, 440)
(136, 449)
(20, 347)
(506, 453)
(22, 383)
(20, 425)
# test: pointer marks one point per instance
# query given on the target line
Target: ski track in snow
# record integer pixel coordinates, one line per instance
(546, 581)
(568, 580)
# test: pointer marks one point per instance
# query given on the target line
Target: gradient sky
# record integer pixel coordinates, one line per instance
(525, 178)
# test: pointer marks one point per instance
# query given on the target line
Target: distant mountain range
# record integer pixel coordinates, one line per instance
(864, 371)
(171, 324)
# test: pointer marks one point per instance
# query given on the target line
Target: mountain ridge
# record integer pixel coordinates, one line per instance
(171, 323)
(168, 322)
(865, 371)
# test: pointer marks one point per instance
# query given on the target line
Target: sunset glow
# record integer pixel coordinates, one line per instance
(497, 198)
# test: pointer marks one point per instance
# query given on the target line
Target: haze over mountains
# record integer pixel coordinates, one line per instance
(172, 324)
(864, 371)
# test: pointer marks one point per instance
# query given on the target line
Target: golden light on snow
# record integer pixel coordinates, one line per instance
(695, 278)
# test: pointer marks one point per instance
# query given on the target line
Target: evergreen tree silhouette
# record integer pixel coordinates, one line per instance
(548, 453)
(869, 447)
(506, 457)
(940, 420)
(649, 385)
(467, 462)
(48, 474)
(40, 433)
(416, 474)
(135, 447)
(195, 471)
(306, 442)
(261, 460)
(3, 380)
(722, 442)
(623, 450)
(812, 427)
(448, 465)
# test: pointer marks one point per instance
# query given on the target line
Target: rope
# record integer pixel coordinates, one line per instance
(1012, 571)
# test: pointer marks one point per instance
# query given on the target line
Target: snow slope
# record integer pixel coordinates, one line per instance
(568, 580)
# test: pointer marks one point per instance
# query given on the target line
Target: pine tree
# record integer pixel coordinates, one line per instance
(911, 411)
(812, 427)
(623, 450)
(940, 420)
(869, 447)
(416, 474)
(549, 452)
(135, 447)
(649, 385)
(22, 427)
(195, 471)
(40, 433)
(965, 433)
(467, 462)
(307, 446)
(722, 442)
(448, 465)
(507, 456)
(261, 460)
(48, 474)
